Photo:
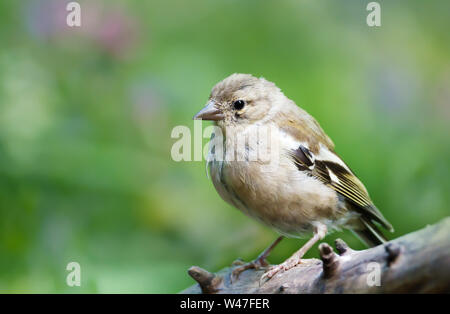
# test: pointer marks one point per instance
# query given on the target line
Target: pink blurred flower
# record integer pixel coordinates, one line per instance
(109, 27)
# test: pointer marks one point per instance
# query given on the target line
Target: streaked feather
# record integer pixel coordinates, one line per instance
(342, 180)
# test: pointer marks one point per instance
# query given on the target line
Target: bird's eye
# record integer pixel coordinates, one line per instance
(238, 104)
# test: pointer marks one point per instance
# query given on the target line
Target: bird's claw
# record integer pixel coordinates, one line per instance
(271, 272)
(256, 264)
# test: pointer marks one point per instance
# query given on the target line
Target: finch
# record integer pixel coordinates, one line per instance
(309, 191)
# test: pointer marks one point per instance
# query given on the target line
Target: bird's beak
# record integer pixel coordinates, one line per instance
(210, 112)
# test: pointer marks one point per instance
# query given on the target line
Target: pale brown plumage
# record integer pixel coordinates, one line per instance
(310, 190)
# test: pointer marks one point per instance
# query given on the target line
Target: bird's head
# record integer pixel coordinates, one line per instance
(240, 99)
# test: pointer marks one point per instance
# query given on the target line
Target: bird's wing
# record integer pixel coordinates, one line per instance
(303, 128)
(332, 171)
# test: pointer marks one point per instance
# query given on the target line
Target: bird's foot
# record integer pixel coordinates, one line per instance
(285, 266)
(255, 264)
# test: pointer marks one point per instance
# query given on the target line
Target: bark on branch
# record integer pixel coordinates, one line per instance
(418, 262)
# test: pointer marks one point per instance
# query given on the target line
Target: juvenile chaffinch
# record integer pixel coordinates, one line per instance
(308, 189)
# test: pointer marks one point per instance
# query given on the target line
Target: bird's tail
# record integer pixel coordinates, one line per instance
(369, 233)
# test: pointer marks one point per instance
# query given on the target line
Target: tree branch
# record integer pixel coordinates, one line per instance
(415, 263)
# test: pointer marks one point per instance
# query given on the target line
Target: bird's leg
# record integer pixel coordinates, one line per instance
(259, 262)
(320, 230)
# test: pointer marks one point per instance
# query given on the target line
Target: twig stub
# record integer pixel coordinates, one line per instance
(330, 260)
(393, 251)
(209, 283)
(342, 247)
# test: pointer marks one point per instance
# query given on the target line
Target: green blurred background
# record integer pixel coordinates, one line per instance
(86, 116)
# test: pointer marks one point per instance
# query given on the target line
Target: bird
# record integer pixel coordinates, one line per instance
(308, 192)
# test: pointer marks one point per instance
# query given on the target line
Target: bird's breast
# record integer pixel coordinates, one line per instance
(279, 196)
